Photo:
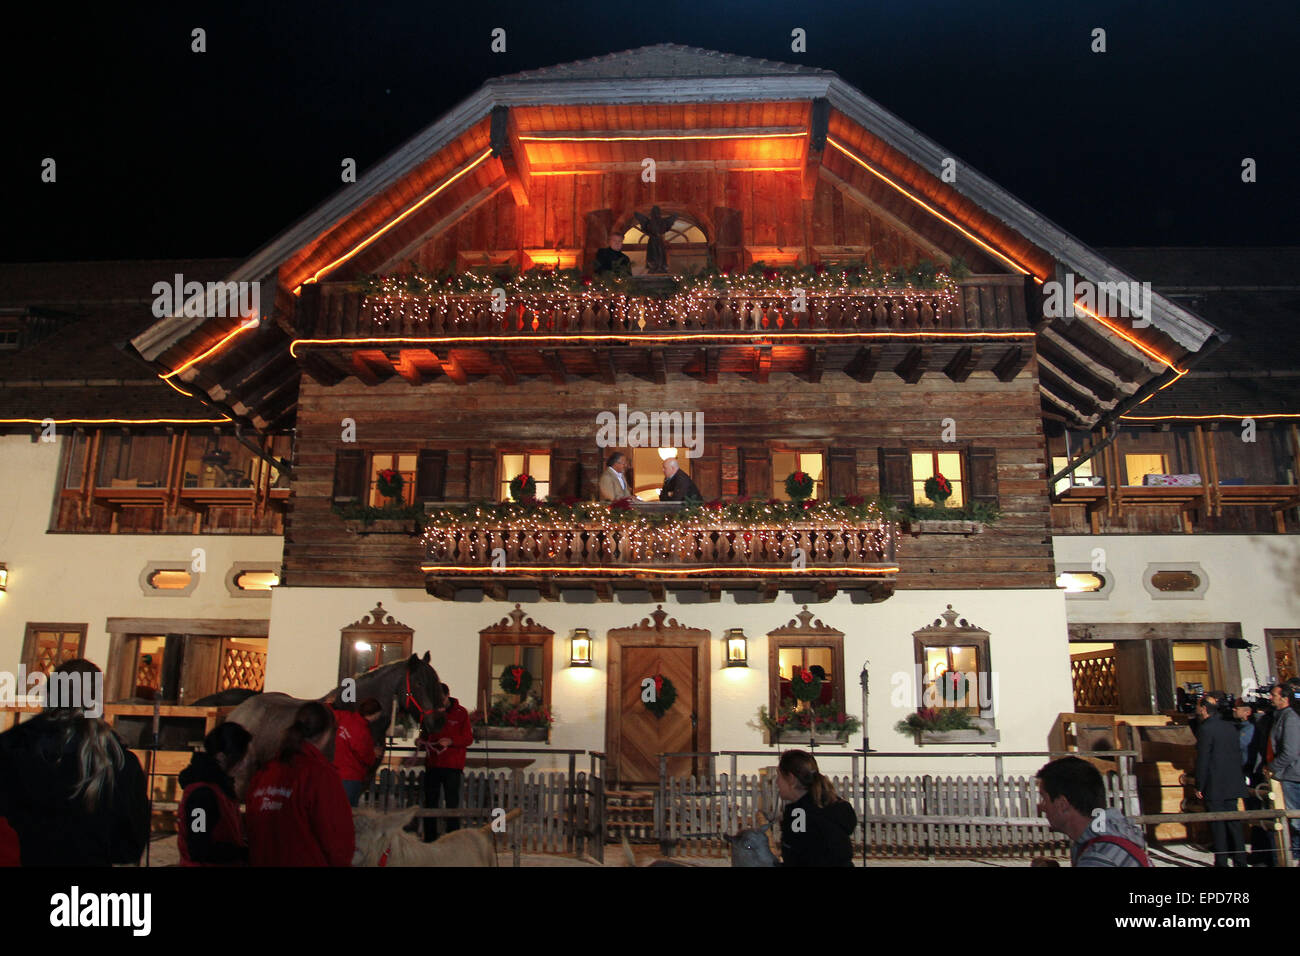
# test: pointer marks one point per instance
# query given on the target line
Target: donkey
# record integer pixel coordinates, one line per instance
(382, 841)
(413, 683)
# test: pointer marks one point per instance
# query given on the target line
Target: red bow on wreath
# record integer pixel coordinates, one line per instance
(518, 674)
(806, 676)
(659, 684)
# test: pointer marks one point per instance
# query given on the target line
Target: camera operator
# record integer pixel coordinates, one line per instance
(1219, 780)
(1283, 753)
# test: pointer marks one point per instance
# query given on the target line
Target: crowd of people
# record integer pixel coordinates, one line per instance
(72, 794)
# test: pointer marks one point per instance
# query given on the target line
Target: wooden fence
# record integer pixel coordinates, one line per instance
(556, 818)
(898, 817)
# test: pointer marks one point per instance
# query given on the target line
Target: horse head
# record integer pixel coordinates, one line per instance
(422, 696)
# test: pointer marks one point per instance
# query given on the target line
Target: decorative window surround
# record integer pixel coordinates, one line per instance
(1158, 595)
(1101, 594)
(948, 632)
(242, 567)
(153, 567)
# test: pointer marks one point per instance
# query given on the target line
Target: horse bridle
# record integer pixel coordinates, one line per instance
(410, 700)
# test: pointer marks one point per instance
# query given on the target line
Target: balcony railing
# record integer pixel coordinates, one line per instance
(338, 311)
(721, 549)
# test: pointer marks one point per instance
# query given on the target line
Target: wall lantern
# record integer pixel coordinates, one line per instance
(737, 648)
(580, 648)
(4, 577)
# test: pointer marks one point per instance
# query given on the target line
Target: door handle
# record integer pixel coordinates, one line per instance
(694, 722)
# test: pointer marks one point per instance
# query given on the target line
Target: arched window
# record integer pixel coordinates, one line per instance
(688, 246)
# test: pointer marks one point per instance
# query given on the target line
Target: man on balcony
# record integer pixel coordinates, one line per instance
(613, 481)
(612, 258)
(677, 484)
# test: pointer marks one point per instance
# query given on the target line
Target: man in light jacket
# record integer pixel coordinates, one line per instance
(613, 480)
(1284, 743)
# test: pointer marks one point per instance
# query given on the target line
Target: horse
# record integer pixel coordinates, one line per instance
(413, 683)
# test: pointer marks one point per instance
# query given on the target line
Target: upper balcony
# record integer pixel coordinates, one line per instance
(650, 326)
(589, 552)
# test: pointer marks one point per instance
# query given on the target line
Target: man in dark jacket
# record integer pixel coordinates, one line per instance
(1284, 747)
(1220, 782)
(677, 484)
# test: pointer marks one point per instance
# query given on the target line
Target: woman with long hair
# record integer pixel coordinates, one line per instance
(209, 824)
(298, 813)
(69, 788)
(817, 826)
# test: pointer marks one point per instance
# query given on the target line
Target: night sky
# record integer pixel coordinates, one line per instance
(166, 153)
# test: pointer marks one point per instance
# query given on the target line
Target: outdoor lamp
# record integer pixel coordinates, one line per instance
(4, 577)
(580, 648)
(737, 648)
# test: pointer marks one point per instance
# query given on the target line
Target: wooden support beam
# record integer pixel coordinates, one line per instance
(964, 362)
(762, 363)
(320, 369)
(411, 368)
(443, 224)
(814, 146)
(503, 367)
(863, 366)
(768, 590)
(506, 147)
(605, 366)
(1012, 363)
(255, 401)
(1094, 367)
(914, 364)
(826, 589)
(451, 366)
(816, 364)
(372, 367)
(706, 132)
(711, 377)
(658, 368)
(554, 365)
(656, 589)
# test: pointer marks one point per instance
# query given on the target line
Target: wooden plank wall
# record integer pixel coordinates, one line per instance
(474, 421)
(562, 209)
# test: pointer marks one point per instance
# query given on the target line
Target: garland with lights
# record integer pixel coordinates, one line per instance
(761, 530)
(664, 696)
(414, 295)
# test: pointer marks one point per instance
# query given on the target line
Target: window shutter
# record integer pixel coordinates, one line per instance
(430, 475)
(983, 464)
(706, 472)
(896, 475)
(482, 476)
(755, 473)
(842, 472)
(564, 473)
(349, 476)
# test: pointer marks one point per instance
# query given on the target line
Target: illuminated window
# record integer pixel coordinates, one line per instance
(785, 463)
(687, 246)
(46, 646)
(927, 464)
(1080, 582)
(791, 659)
(403, 465)
(170, 580)
(537, 465)
(257, 580)
(1138, 466)
(1082, 475)
(951, 677)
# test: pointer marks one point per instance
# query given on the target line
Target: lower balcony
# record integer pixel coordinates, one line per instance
(635, 560)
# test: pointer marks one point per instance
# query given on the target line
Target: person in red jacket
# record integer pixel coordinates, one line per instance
(298, 814)
(10, 854)
(355, 750)
(444, 764)
(210, 828)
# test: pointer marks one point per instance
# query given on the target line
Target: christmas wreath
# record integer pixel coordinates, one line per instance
(805, 685)
(799, 485)
(952, 687)
(389, 483)
(523, 486)
(938, 488)
(516, 680)
(664, 696)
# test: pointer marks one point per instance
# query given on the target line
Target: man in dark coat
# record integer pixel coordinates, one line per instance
(677, 484)
(1220, 782)
(612, 258)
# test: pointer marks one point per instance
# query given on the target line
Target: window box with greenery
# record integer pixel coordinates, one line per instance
(956, 691)
(386, 493)
(827, 724)
(949, 491)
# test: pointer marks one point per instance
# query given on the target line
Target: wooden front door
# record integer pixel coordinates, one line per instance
(634, 736)
(643, 735)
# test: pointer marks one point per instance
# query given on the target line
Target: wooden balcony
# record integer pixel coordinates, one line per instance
(584, 561)
(1194, 503)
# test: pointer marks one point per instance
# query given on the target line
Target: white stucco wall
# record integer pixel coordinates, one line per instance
(88, 578)
(1027, 646)
(1253, 580)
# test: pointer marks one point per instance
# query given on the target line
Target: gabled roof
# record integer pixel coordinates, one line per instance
(662, 61)
(660, 76)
